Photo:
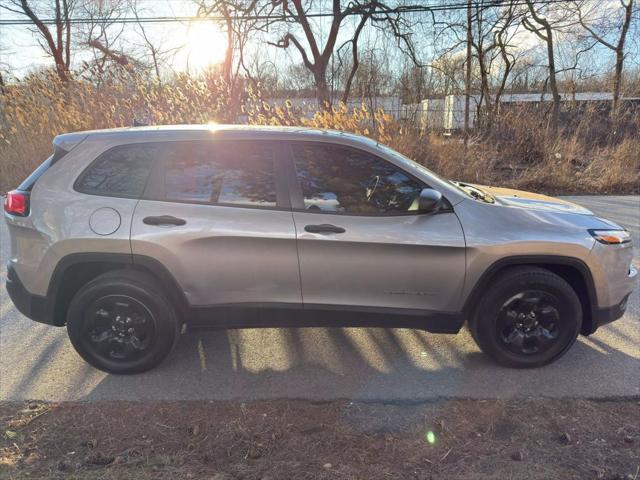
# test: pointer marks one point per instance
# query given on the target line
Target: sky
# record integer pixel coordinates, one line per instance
(199, 44)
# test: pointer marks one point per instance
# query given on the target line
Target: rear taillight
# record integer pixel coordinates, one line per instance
(17, 203)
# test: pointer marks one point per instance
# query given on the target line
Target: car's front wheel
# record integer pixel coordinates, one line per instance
(121, 322)
(528, 317)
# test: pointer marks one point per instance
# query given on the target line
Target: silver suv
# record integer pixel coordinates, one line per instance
(126, 236)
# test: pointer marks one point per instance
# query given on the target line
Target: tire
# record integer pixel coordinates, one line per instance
(122, 322)
(528, 318)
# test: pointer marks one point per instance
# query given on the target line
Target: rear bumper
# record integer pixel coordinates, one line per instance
(32, 306)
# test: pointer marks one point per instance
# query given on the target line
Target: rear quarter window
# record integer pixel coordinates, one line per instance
(119, 172)
(30, 181)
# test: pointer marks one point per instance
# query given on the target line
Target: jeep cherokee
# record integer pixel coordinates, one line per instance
(127, 235)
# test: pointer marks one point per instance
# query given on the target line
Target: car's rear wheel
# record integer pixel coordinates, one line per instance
(528, 317)
(121, 322)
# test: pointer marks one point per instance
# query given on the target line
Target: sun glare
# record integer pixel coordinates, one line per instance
(205, 45)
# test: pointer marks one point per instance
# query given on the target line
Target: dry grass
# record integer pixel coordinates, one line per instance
(40, 107)
(449, 439)
(590, 155)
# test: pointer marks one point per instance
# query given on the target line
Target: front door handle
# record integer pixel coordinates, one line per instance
(324, 228)
(164, 220)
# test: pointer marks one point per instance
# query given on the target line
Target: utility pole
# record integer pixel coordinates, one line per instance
(467, 81)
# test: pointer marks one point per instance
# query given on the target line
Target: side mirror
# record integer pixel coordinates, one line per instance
(430, 200)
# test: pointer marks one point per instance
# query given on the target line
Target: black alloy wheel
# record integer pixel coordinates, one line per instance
(123, 322)
(529, 322)
(119, 327)
(527, 317)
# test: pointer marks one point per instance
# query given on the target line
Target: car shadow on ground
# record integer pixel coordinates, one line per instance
(362, 364)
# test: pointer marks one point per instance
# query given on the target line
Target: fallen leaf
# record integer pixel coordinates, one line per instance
(565, 438)
(517, 456)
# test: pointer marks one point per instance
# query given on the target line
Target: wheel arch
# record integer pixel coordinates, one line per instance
(75, 270)
(571, 269)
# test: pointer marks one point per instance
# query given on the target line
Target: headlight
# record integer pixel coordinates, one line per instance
(611, 237)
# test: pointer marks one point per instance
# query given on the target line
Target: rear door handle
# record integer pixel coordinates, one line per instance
(324, 228)
(164, 220)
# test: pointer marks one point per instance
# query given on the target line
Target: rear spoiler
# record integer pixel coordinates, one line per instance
(63, 144)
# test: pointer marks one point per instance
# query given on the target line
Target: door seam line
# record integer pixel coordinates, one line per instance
(295, 228)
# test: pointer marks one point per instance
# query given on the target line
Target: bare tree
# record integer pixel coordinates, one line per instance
(373, 78)
(109, 53)
(225, 9)
(55, 42)
(536, 23)
(297, 78)
(494, 26)
(102, 33)
(151, 47)
(4, 68)
(414, 83)
(240, 20)
(467, 77)
(316, 56)
(151, 53)
(603, 27)
(355, 59)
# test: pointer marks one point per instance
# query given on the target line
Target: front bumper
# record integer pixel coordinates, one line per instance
(602, 316)
(32, 306)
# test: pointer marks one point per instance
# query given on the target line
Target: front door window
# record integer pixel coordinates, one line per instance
(344, 180)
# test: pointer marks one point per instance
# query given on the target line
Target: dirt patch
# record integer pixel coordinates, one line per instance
(450, 439)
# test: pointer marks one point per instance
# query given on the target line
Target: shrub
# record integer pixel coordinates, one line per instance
(590, 154)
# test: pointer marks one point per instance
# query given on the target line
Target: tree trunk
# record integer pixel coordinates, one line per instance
(617, 79)
(61, 68)
(355, 60)
(467, 80)
(228, 53)
(555, 111)
(322, 89)
(547, 37)
(156, 66)
(616, 84)
(484, 80)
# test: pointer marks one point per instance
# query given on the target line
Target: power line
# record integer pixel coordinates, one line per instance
(283, 16)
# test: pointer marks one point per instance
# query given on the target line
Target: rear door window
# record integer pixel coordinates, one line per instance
(120, 172)
(225, 174)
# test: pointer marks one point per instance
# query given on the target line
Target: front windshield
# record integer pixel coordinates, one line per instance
(469, 190)
(411, 163)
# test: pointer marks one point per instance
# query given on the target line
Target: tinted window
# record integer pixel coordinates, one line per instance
(222, 173)
(28, 183)
(121, 171)
(338, 179)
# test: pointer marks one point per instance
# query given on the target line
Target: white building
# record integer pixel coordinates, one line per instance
(448, 114)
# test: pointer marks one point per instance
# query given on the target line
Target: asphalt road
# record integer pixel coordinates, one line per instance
(38, 362)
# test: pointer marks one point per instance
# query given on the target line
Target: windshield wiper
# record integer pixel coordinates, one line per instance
(476, 192)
